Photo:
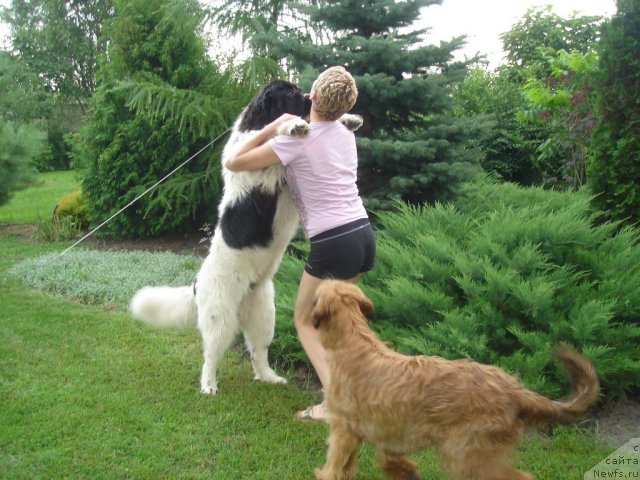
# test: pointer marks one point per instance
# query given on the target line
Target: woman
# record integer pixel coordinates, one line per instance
(321, 170)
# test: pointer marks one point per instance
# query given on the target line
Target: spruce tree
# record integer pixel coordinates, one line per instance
(411, 147)
(614, 172)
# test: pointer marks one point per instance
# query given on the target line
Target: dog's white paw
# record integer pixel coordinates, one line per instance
(352, 122)
(277, 379)
(294, 128)
(208, 389)
(270, 377)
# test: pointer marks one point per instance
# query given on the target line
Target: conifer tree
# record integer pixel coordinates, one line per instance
(410, 146)
(614, 172)
(159, 101)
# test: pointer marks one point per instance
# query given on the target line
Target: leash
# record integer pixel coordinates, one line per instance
(147, 190)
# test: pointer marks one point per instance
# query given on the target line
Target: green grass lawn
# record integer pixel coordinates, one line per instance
(38, 201)
(87, 392)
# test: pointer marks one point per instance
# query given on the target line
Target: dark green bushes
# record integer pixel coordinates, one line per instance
(19, 144)
(158, 103)
(504, 276)
(614, 171)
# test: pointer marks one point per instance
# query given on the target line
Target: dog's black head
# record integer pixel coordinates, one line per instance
(276, 98)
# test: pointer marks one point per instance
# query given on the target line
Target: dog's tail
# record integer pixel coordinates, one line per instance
(585, 388)
(165, 306)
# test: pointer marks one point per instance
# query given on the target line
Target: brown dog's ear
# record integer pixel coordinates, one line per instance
(321, 310)
(352, 293)
(366, 306)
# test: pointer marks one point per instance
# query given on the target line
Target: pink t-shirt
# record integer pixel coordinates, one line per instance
(321, 170)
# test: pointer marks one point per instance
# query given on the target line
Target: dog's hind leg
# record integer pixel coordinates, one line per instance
(257, 318)
(341, 456)
(218, 325)
(481, 456)
(397, 467)
(490, 469)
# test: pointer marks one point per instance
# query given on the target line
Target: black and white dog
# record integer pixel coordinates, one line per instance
(257, 220)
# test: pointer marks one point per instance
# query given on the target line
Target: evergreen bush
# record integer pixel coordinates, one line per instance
(72, 206)
(56, 155)
(614, 171)
(507, 274)
(159, 102)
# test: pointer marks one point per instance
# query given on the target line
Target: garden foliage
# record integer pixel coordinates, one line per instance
(564, 101)
(543, 84)
(19, 145)
(72, 206)
(505, 276)
(614, 172)
(59, 42)
(22, 109)
(510, 147)
(541, 32)
(159, 102)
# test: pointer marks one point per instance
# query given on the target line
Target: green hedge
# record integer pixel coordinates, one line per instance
(507, 274)
(614, 167)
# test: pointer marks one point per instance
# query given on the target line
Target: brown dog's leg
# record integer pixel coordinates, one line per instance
(480, 456)
(497, 472)
(397, 467)
(341, 456)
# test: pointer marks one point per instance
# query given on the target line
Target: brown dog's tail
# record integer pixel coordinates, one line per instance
(585, 388)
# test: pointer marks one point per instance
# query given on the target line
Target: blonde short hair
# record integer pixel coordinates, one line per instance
(336, 93)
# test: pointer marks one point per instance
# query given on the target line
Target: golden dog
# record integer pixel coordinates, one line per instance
(472, 414)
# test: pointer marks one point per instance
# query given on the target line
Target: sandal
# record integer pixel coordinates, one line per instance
(307, 414)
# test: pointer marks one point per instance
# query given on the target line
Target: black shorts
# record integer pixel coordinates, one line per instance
(342, 252)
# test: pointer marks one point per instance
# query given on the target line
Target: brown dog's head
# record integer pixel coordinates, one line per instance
(334, 298)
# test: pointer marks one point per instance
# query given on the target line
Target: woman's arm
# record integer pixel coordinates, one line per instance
(256, 154)
(255, 158)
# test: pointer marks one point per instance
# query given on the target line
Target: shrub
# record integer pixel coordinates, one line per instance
(19, 144)
(614, 171)
(159, 101)
(59, 230)
(72, 206)
(57, 151)
(510, 148)
(564, 104)
(507, 274)
(502, 276)
(105, 277)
